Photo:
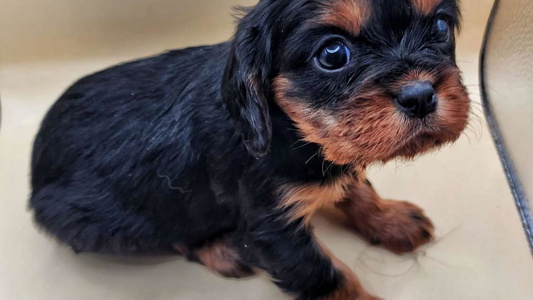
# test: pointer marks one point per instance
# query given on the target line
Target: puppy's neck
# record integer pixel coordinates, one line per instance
(304, 160)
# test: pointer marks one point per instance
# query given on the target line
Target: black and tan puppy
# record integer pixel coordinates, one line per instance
(223, 153)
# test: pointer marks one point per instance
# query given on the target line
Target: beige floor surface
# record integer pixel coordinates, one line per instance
(481, 252)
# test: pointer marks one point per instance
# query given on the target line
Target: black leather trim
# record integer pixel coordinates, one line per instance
(519, 194)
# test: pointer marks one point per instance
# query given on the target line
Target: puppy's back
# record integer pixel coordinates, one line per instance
(124, 111)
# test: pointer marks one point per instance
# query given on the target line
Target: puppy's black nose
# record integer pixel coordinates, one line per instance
(418, 99)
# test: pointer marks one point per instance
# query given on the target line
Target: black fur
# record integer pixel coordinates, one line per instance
(188, 146)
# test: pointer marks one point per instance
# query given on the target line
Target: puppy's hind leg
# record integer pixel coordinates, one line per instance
(218, 256)
(91, 220)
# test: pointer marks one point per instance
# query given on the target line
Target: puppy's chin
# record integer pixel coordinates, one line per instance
(421, 142)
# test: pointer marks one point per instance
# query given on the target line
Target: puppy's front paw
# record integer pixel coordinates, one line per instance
(398, 226)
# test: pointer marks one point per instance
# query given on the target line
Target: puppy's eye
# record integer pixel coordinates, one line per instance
(333, 56)
(442, 27)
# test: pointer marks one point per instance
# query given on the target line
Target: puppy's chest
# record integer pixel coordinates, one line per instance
(303, 200)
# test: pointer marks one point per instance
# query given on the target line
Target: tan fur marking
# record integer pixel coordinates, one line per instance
(359, 135)
(219, 257)
(305, 200)
(349, 15)
(455, 110)
(425, 7)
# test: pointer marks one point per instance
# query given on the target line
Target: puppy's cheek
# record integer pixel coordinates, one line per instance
(314, 124)
(365, 129)
(453, 107)
(370, 129)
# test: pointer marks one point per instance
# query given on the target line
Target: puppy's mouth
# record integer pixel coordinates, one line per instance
(421, 140)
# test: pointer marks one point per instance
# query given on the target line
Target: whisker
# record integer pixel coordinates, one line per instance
(310, 158)
(362, 262)
(329, 167)
(300, 146)
(442, 263)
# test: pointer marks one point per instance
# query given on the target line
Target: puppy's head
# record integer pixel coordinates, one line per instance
(367, 80)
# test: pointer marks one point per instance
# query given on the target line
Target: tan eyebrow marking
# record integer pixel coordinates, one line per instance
(425, 7)
(349, 15)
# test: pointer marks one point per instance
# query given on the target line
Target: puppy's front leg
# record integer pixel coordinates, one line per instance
(398, 226)
(297, 263)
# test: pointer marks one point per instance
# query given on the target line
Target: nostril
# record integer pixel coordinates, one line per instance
(407, 102)
(417, 99)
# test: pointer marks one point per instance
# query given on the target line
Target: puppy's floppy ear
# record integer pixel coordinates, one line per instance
(246, 86)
